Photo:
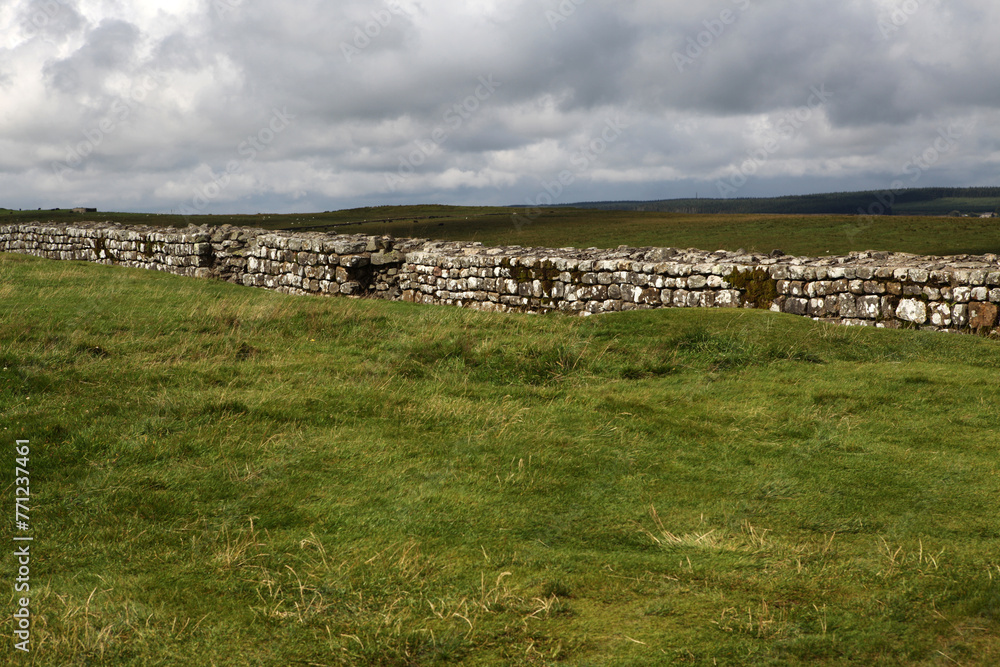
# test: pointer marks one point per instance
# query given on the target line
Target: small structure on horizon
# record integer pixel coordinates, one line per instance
(84, 210)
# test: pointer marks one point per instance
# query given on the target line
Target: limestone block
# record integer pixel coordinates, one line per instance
(868, 307)
(697, 282)
(940, 314)
(796, 306)
(848, 306)
(961, 295)
(727, 299)
(912, 310)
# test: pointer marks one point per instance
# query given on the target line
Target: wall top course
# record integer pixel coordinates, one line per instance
(960, 269)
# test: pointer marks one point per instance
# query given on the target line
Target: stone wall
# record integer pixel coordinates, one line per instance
(959, 293)
(186, 253)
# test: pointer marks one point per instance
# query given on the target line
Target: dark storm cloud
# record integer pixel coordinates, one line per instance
(378, 92)
(109, 48)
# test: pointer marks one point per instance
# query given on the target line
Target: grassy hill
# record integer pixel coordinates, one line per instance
(231, 476)
(916, 201)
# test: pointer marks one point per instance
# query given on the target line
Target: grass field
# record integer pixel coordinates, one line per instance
(226, 476)
(560, 227)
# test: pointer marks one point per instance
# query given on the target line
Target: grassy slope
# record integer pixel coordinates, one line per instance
(232, 476)
(803, 235)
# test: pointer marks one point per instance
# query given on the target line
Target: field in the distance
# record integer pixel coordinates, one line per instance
(227, 476)
(815, 235)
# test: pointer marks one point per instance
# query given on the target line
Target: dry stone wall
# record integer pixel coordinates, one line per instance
(959, 293)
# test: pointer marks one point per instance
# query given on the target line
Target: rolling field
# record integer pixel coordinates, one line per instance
(815, 235)
(227, 476)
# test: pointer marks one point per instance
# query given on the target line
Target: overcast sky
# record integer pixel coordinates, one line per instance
(256, 105)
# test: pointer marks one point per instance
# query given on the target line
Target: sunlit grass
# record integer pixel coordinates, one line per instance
(232, 476)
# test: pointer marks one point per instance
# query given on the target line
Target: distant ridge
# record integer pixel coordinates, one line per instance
(918, 201)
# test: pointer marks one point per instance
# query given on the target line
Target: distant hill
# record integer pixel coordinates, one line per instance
(922, 201)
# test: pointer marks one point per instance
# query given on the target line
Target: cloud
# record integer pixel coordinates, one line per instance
(146, 105)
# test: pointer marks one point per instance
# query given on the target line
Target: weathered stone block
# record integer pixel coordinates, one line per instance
(874, 287)
(848, 306)
(940, 314)
(817, 307)
(961, 294)
(727, 299)
(912, 310)
(796, 306)
(982, 315)
(697, 282)
(649, 296)
(868, 307)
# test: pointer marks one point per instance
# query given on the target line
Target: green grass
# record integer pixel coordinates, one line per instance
(231, 476)
(798, 235)
(561, 227)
